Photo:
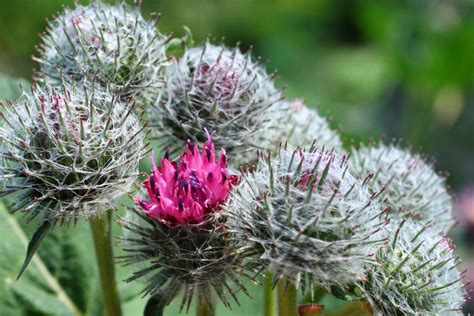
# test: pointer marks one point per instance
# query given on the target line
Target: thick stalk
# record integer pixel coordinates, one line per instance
(205, 307)
(287, 299)
(102, 235)
(268, 295)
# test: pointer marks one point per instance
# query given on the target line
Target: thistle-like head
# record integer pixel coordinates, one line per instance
(112, 43)
(68, 151)
(307, 217)
(417, 273)
(177, 238)
(220, 89)
(188, 191)
(411, 186)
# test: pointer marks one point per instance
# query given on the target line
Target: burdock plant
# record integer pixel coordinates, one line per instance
(307, 219)
(177, 239)
(220, 89)
(411, 186)
(67, 154)
(112, 43)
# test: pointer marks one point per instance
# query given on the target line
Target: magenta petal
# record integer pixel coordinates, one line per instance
(185, 193)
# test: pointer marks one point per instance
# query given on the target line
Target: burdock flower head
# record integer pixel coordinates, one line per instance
(114, 43)
(306, 217)
(68, 153)
(189, 191)
(176, 236)
(302, 126)
(220, 89)
(412, 188)
(417, 274)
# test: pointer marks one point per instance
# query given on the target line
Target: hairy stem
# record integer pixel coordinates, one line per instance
(268, 295)
(101, 232)
(205, 307)
(287, 298)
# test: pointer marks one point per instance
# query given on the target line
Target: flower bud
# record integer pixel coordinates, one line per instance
(307, 218)
(68, 152)
(411, 186)
(218, 89)
(112, 43)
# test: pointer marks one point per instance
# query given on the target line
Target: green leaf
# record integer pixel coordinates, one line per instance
(34, 243)
(10, 87)
(62, 278)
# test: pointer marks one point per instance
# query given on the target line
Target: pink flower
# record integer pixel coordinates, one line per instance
(185, 193)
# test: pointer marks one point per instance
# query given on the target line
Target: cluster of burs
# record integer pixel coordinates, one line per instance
(364, 223)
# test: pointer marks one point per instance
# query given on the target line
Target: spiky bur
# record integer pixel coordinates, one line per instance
(112, 43)
(411, 186)
(69, 151)
(220, 89)
(307, 218)
(417, 274)
(176, 237)
(303, 126)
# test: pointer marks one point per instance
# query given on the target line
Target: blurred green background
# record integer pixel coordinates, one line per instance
(392, 69)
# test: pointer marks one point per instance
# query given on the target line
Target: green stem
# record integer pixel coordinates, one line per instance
(205, 307)
(101, 232)
(287, 298)
(268, 295)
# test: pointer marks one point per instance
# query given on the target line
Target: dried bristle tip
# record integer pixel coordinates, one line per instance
(417, 274)
(112, 43)
(306, 217)
(68, 152)
(412, 187)
(220, 89)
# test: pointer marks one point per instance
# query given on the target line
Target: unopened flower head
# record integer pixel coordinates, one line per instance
(112, 43)
(68, 152)
(307, 217)
(303, 126)
(177, 239)
(189, 191)
(417, 274)
(411, 186)
(220, 89)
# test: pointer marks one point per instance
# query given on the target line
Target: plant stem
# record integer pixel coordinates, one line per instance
(102, 235)
(268, 295)
(287, 298)
(205, 307)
